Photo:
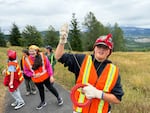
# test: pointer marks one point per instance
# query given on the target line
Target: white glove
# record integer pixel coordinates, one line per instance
(63, 34)
(91, 92)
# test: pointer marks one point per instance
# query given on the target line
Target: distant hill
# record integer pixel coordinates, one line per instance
(136, 32)
(137, 39)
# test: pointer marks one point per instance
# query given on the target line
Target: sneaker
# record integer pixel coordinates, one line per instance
(27, 93)
(41, 105)
(19, 105)
(14, 104)
(60, 101)
(33, 92)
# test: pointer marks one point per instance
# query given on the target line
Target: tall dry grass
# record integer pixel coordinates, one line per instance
(134, 70)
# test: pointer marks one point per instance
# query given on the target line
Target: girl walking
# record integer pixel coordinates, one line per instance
(38, 67)
(30, 86)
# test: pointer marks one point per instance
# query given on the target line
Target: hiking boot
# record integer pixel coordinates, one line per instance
(41, 105)
(60, 101)
(27, 93)
(19, 105)
(14, 104)
(33, 92)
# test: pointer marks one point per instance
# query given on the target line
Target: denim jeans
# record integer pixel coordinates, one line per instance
(17, 96)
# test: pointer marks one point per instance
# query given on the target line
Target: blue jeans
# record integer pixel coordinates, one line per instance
(17, 96)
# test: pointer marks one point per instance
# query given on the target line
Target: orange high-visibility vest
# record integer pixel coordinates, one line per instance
(41, 70)
(23, 58)
(18, 78)
(105, 82)
(18, 74)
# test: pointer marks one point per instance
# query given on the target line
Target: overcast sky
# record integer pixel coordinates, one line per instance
(43, 13)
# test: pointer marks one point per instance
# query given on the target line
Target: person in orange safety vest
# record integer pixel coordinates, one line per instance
(101, 76)
(13, 79)
(37, 66)
(30, 86)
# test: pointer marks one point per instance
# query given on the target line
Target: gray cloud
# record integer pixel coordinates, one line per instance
(42, 13)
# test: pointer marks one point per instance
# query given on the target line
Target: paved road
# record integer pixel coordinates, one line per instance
(33, 100)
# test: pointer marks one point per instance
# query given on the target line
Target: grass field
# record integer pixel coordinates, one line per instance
(134, 70)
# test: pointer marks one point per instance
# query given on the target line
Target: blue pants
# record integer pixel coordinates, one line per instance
(17, 96)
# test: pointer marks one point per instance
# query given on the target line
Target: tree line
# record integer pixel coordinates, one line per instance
(80, 39)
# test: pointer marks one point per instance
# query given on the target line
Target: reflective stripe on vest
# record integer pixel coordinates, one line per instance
(52, 58)
(108, 83)
(43, 66)
(105, 82)
(23, 58)
(29, 64)
(85, 81)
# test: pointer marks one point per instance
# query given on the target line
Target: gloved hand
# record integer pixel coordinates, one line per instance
(63, 34)
(91, 92)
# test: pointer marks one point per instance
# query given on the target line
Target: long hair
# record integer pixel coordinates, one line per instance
(37, 62)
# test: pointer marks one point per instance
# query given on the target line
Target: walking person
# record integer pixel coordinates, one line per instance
(38, 67)
(50, 54)
(13, 79)
(51, 57)
(30, 86)
(101, 76)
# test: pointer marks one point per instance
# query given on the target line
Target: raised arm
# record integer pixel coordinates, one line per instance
(59, 51)
(63, 39)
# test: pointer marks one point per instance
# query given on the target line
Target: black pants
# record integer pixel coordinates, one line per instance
(49, 86)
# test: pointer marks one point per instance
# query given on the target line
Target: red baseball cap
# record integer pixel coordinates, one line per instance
(11, 54)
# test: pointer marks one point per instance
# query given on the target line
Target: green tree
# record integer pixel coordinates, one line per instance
(2, 39)
(75, 35)
(15, 36)
(107, 29)
(118, 39)
(31, 36)
(51, 37)
(93, 30)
